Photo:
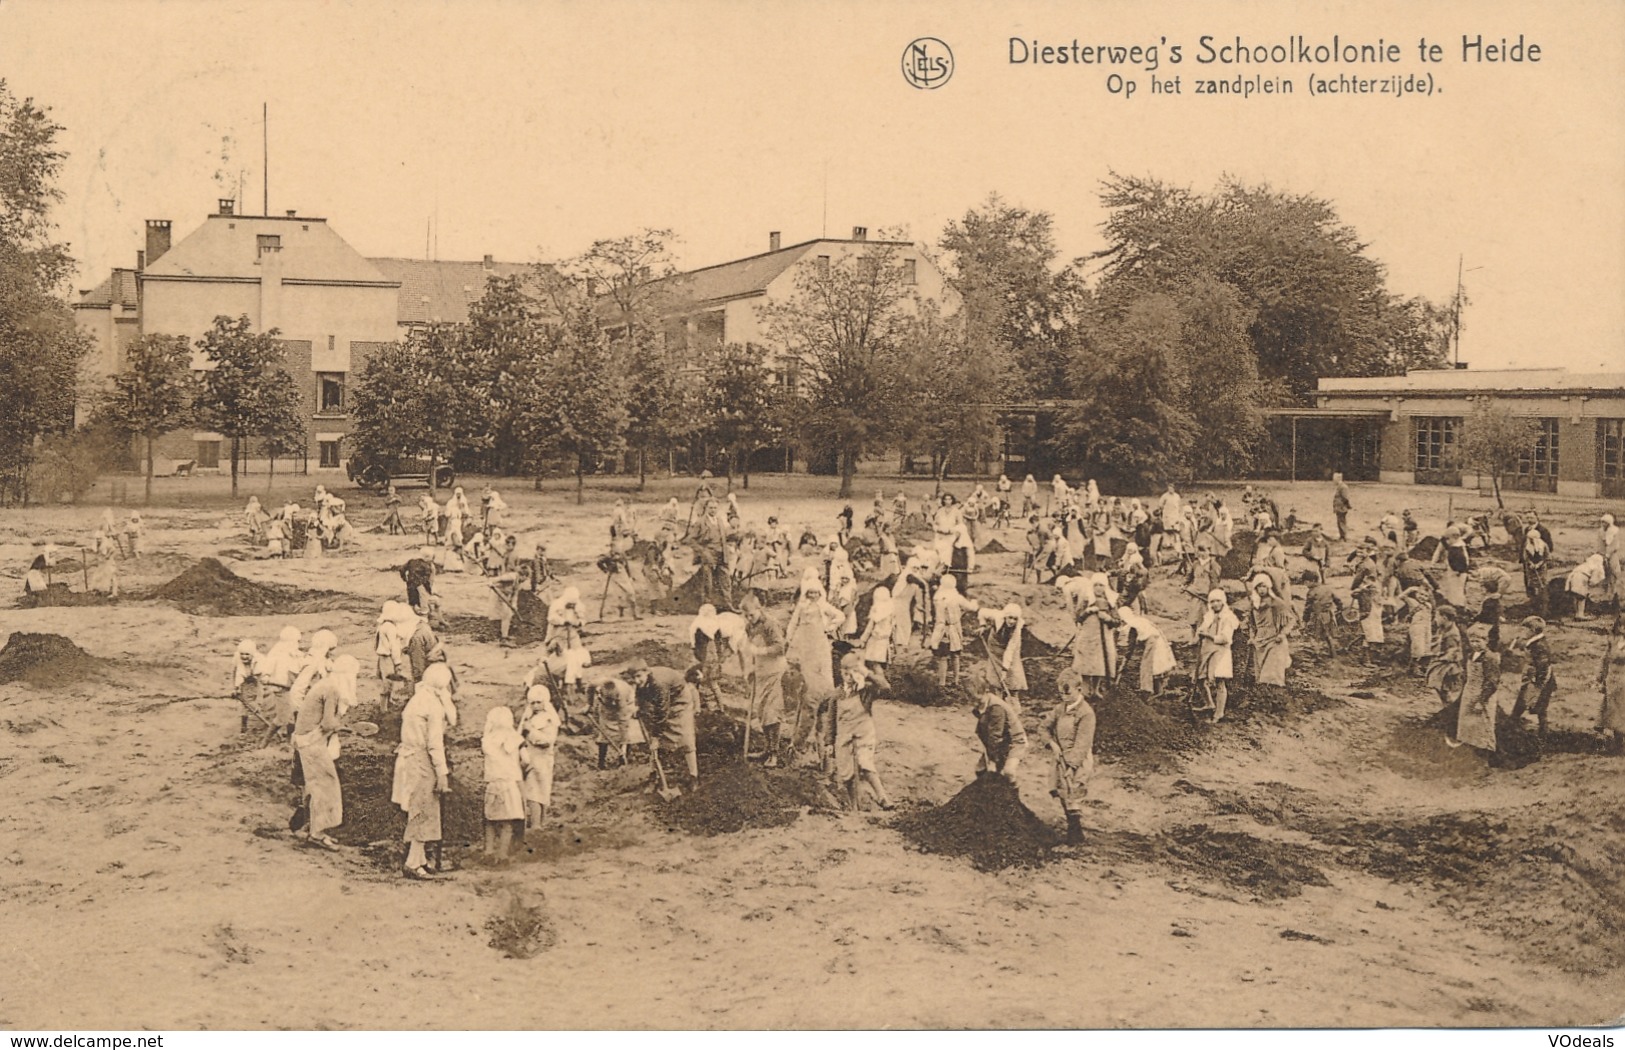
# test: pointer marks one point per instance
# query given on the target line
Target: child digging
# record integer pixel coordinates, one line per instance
(540, 729)
(504, 799)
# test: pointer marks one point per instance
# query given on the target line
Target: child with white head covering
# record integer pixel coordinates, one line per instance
(539, 725)
(315, 740)
(504, 795)
(245, 681)
(947, 637)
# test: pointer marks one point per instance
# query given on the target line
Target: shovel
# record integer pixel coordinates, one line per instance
(666, 792)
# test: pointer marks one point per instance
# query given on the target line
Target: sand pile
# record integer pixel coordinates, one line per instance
(985, 823)
(209, 588)
(740, 795)
(44, 660)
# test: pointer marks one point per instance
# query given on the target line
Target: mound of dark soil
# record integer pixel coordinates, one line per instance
(655, 653)
(718, 740)
(529, 625)
(918, 685)
(1131, 726)
(740, 795)
(1424, 548)
(1239, 559)
(986, 823)
(367, 773)
(1267, 869)
(993, 547)
(57, 595)
(44, 660)
(210, 589)
(687, 597)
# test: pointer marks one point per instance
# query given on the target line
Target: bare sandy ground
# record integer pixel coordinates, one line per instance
(149, 879)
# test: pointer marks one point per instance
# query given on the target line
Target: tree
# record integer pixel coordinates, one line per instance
(577, 394)
(239, 393)
(1133, 427)
(843, 330)
(628, 280)
(1225, 394)
(414, 399)
(153, 395)
(1319, 304)
(40, 347)
(500, 340)
(746, 404)
(950, 389)
(281, 427)
(1490, 442)
(1001, 258)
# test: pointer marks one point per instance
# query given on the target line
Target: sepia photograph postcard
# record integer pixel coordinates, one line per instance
(907, 517)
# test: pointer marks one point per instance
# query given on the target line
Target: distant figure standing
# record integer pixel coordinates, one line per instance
(1341, 507)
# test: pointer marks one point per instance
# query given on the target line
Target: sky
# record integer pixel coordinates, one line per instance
(527, 130)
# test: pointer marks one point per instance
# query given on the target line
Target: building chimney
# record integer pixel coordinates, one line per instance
(293, 213)
(860, 233)
(773, 241)
(157, 240)
(489, 262)
(228, 206)
(140, 261)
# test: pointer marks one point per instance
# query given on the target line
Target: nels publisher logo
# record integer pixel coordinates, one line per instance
(927, 63)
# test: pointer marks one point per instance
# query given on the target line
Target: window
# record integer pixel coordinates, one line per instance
(908, 272)
(868, 267)
(1612, 435)
(789, 378)
(329, 453)
(1435, 440)
(208, 454)
(823, 266)
(269, 242)
(1539, 462)
(330, 392)
(332, 343)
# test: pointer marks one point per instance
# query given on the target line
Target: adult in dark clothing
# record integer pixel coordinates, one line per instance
(1341, 507)
(418, 574)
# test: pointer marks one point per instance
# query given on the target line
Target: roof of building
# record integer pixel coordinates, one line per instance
(442, 289)
(1440, 380)
(742, 278)
(226, 246)
(118, 288)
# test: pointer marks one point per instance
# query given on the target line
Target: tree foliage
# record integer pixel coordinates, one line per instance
(1318, 303)
(844, 332)
(1490, 441)
(1001, 262)
(40, 348)
(745, 402)
(577, 393)
(154, 394)
(950, 386)
(1134, 425)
